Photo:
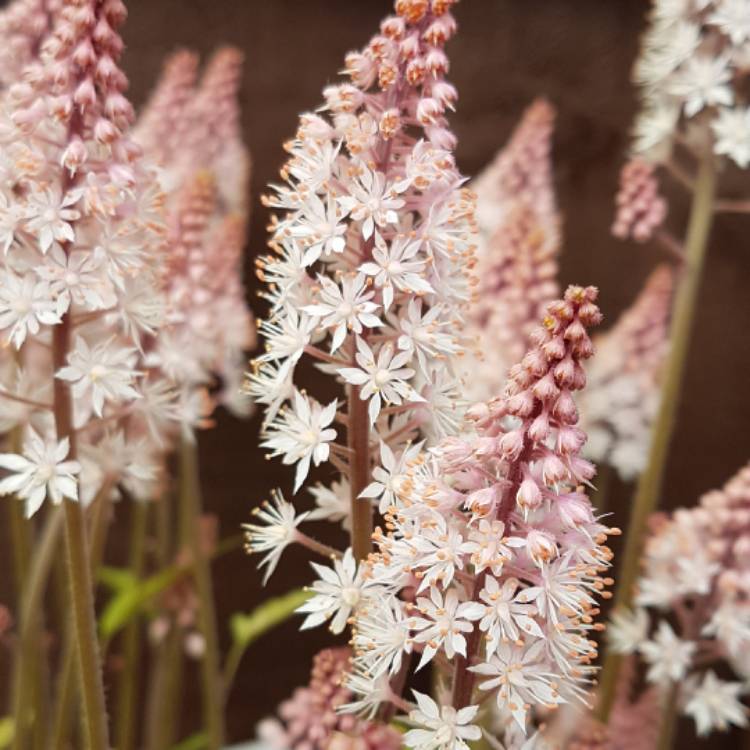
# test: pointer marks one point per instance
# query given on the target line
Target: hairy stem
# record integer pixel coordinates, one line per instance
(668, 719)
(126, 690)
(650, 483)
(358, 442)
(190, 506)
(79, 573)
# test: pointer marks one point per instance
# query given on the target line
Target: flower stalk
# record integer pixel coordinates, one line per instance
(649, 485)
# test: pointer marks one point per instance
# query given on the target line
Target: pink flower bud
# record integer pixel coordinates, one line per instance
(553, 469)
(539, 429)
(511, 444)
(545, 389)
(74, 155)
(529, 496)
(570, 439)
(85, 94)
(565, 408)
(441, 137)
(429, 110)
(541, 546)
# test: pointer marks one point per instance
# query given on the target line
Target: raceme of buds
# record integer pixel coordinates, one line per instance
(622, 397)
(640, 207)
(695, 570)
(693, 59)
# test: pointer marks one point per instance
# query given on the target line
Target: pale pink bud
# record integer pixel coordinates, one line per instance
(105, 131)
(478, 412)
(511, 444)
(541, 546)
(582, 470)
(429, 110)
(521, 405)
(570, 439)
(545, 389)
(118, 109)
(482, 501)
(540, 429)
(437, 62)
(529, 496)
(74, 155)
(393, 27)
(84, 55)
(416, 71)
(574, 509)
(85, 94)
(121, 175)
(553, 469)
(535, 362)
(441, 137)
(565, 408)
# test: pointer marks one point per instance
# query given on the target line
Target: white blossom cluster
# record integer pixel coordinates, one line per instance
(372, 250)
(695, 55)
(80, 272)
(692, 608)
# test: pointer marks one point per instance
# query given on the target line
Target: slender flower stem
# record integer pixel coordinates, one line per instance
(27, 657)
(358, 442)
(315, 546)
(463, 679)
(603, 480)
(126, 698)
(650, 482)
(27, 401)
(190, 506)
(668, 719)
(79, 573)
(732, 206)
(161, 707)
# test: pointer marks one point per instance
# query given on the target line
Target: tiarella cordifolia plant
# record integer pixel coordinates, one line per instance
(621, 399)
(369, 265)
(692, 607)
(491, 561)
(695, 121)
(80, 300)
(23, 26)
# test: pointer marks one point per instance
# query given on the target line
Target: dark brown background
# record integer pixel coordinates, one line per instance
(578, 53)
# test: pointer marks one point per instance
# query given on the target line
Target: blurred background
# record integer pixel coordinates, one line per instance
(577, 53)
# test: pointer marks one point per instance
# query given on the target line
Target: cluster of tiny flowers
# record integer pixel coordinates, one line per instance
(517, 268)
(694, 59)
(311, 719)
(519, 242)
(191, 130)
(370, 258)
(80, 272)
(622, 397)
(23, 26)
(696, 577)
(491, 558)
(641, 209)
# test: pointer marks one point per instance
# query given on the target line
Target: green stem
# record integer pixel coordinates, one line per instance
(25, 668)
(79, 571)
(161, 707)
(650, 483)
(126, 699)
(191, 511)
(668, 719)
(358, 442)
(62, 716)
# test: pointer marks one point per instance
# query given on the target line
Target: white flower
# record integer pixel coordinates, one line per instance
(426, 331)
(11, 215)
(390, 475)
(337, 594)
(372, 201)
(732, 132)
(669, 657)
(76, 278)
(40, 472)
(442, 727)
(105, 371)
(344, 308)
(381, 380)
(519, 674)
(277, 532)
(332, 503)
(627, 630)
(370, 690)
(506, 616)
(714, 705)
(733, 18)
(703, 82)
(25, 303)
(489, 546)
(49, 218)
(287, 334)
(319, 227)
(301, 434)
(443, 624)
(654, 126)
(382, 636)
(394, 266)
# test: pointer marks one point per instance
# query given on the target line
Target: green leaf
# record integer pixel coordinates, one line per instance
(246, 628)
(126, 603)
(198, 741)
(7, 731)
(116, 579)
